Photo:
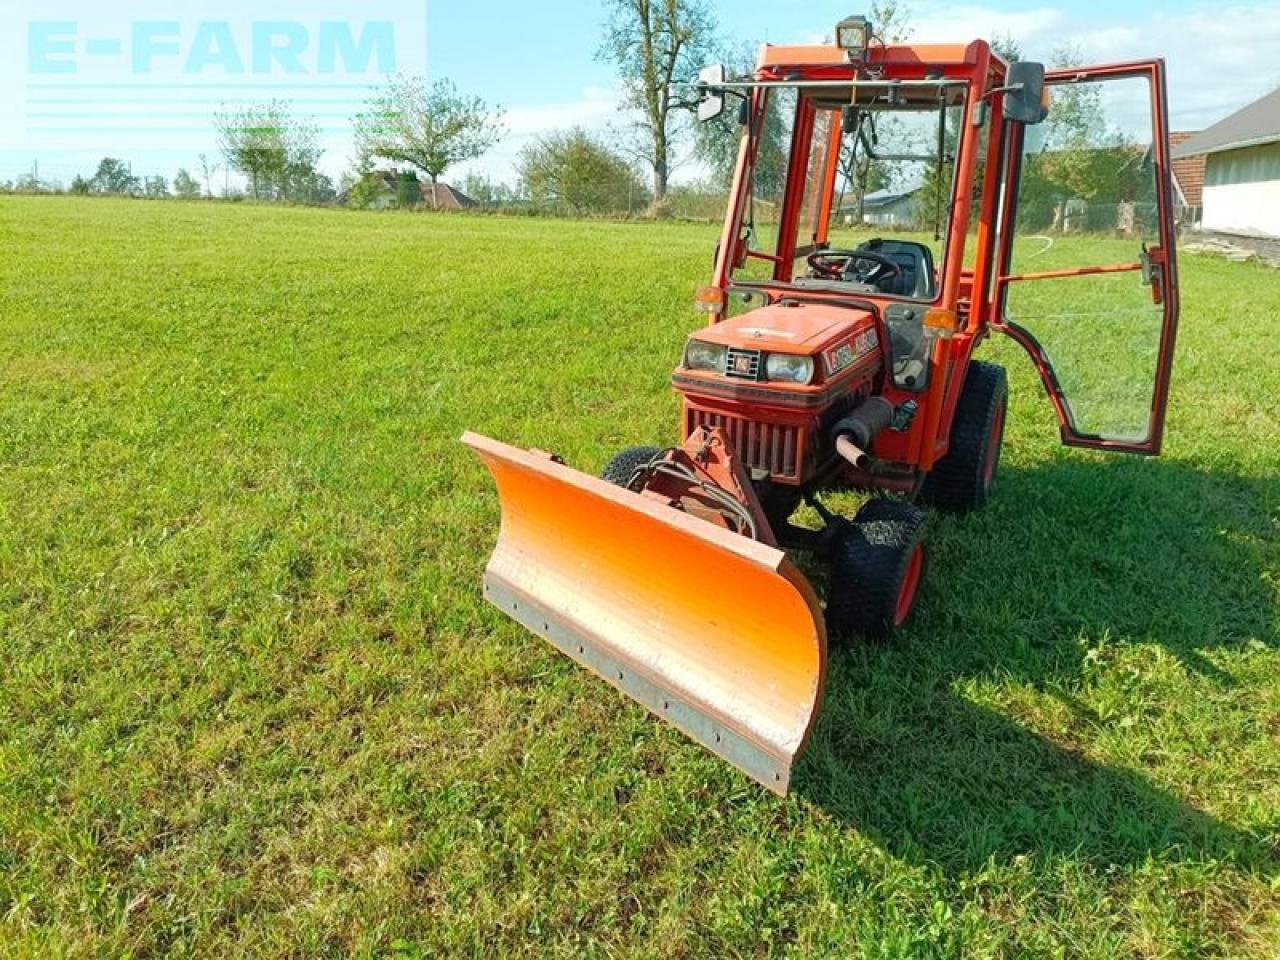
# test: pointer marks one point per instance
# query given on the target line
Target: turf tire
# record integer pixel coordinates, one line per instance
(879, 549)
(963, 479)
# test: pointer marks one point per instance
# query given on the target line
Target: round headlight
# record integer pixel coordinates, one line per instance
(699, 355)
(789, 367)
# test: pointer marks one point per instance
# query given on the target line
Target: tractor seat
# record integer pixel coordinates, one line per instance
(916, 260)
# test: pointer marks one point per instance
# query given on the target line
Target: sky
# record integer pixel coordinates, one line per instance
(141, 80)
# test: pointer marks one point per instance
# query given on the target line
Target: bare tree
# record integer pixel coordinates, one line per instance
(430, 127)
(654, 44)
(891, 21)
(207, 170)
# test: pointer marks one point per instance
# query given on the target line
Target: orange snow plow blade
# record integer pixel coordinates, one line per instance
(716, 633)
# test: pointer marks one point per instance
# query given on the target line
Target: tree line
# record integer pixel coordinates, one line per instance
(412, 132)
(418, 131)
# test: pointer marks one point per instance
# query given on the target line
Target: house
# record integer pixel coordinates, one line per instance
(391, 189)
(891, 207)
(1242, 170)
(1188, 180)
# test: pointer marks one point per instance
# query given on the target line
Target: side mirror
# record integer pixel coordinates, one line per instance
(1026, 98)
(848, 119)
(711, 92)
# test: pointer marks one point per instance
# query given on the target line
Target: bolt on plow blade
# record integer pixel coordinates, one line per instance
(716, 633)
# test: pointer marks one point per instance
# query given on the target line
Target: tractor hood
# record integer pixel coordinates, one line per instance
(801, 328)
(840, 345)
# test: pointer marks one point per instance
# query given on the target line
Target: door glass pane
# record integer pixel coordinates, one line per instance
(769, 186)
(1087, 199)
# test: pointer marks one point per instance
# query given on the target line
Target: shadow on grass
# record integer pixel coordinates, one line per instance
(1073, 561)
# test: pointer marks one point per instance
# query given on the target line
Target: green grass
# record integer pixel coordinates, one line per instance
(253, 705)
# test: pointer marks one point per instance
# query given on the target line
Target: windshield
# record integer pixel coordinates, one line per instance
(878, 178)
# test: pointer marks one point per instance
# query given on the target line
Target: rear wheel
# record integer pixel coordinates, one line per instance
(876, 570)
(623, 465)
(964, 478)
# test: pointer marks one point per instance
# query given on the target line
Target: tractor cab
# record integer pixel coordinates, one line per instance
(950, 193)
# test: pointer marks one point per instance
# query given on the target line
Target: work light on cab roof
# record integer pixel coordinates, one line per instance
(839, 354)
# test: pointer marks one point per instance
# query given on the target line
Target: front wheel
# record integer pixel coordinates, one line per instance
(876, 570)
(623, 465)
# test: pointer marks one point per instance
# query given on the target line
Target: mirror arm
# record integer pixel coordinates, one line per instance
(1011, 88)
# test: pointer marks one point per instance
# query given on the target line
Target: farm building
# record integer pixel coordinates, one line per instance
(1242, 169)
(892, 207)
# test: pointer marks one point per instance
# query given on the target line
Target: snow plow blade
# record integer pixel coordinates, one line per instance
(718, 634)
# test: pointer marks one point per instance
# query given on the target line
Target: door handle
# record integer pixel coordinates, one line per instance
(1153, 272)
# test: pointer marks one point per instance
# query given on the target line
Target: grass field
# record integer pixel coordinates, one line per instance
(251, 702)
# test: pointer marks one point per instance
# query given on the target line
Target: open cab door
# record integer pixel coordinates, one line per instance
(1088, 276)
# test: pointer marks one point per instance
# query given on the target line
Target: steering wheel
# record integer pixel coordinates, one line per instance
(820, 262)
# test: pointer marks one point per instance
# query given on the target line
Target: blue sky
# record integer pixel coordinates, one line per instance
(126, 82)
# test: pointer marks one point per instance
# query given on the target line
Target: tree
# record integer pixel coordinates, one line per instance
(571, 172)
(485, 192)
(31, 183)
(269, 147)
(80, 186)
(431, 127)
(1084, 164)
(1006, 46)
(185, 186)
(891, 21)
(113, 176)
(155, 187)
(303, 183)
(362, 187)
(716, 142)
(655, 44)
(207, 170)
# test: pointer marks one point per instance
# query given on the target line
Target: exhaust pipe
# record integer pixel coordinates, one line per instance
(854, 434)
(854, 454)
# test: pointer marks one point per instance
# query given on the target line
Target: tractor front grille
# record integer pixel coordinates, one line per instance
(743, 364)
(771, 447)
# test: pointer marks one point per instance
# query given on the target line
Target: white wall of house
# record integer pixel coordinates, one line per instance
(1242, 191)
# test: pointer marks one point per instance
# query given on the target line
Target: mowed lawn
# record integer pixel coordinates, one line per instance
(251, 703)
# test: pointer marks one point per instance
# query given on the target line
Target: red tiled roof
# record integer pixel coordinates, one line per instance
(1188, 171)
(445, 197)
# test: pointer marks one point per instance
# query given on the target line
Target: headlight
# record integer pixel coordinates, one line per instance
(789, 367)
(699, 355)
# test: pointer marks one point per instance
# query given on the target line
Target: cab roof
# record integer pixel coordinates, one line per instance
(773, 58)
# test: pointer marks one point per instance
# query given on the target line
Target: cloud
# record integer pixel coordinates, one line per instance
(594, 111)
(1219, 58)
(936, 23)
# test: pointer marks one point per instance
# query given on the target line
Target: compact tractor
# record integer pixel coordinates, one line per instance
(840, 355)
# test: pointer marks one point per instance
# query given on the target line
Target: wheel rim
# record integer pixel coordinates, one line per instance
(910, 586)
(993, 447)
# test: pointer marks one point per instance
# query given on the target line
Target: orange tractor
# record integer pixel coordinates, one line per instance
(840, 355)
